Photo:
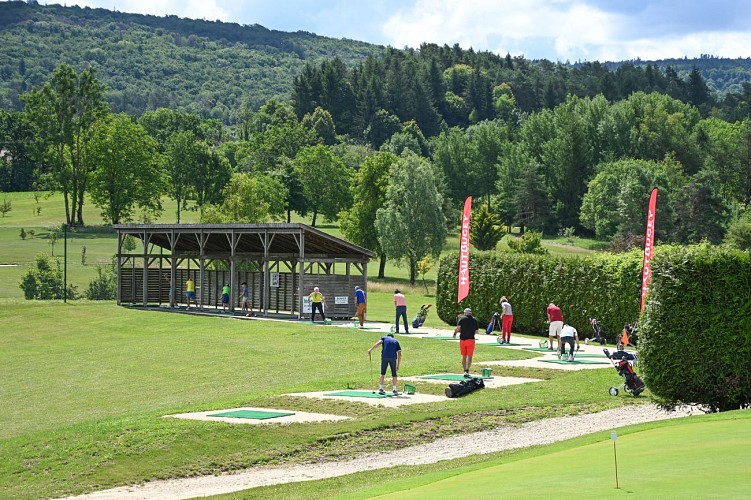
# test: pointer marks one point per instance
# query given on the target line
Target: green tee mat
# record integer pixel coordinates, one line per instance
(512, 344)
(452, 376)
(442, 338)
(579, 355)
(574, 362)
(253, 414)
(360, 394)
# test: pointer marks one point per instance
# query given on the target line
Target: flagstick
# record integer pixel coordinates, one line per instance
(614, 436)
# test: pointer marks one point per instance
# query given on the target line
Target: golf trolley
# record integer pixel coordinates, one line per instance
(422, 314)
(624, 365)
(599, 336)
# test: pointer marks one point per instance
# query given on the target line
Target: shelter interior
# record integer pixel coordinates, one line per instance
(281, 264)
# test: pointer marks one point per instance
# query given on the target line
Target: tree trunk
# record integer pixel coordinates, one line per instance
(315, 215)
(68, 220)
(412, 270)
(81, 191)
(382, 267)
(289, 216)
(178, 200)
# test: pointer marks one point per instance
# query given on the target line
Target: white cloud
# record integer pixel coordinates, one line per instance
(502, 25)
(558, 30)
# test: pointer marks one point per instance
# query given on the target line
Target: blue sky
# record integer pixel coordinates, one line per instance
(558, 30)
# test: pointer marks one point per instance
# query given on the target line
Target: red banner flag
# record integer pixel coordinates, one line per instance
(649, 248)
(464, 252)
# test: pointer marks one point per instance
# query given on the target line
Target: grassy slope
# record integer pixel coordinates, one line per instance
(84, 386)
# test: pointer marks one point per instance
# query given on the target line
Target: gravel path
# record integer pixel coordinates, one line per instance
(503, 438)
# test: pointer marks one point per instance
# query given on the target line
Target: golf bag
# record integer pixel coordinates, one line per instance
(464, 387)
(623, 364)
(422, 314)
(495, 323)
(599, 336)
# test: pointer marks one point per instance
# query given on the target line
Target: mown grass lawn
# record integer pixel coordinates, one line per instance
(85, 386)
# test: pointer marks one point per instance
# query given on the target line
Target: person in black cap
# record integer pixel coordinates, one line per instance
(391, 356)
(466, 328)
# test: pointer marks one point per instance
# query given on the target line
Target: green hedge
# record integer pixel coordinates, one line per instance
(695, 334)
(606, 287)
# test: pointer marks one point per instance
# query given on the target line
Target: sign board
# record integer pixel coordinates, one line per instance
(274, 280)
(341, 300)
(307, 306)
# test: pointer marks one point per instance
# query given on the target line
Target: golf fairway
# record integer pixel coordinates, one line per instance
(699, 459)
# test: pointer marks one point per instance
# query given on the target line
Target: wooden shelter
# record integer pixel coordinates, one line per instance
(281, 263)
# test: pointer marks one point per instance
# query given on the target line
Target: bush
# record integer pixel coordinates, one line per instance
(606, 287)
(104, 286)
(44, 281)
(530, 242)
(695, 334)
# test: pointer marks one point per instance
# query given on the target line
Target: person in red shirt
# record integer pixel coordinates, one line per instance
(555, 317)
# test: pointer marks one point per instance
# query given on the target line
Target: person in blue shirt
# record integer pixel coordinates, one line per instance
(361, 307)
(391, 356)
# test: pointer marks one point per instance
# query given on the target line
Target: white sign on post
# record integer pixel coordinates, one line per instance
(274, 281)
(307, 306)
(341, 300)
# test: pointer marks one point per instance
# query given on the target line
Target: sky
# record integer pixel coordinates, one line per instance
(557, 30)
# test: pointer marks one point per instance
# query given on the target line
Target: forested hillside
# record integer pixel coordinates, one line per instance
(146, 62)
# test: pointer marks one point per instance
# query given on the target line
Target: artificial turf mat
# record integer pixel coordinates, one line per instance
(538, 349)
(453, 376)
(252, 414)
(360, 394)
(512, 344)
(441, 338)
(575, 362)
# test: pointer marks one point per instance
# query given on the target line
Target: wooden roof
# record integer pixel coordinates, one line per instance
(249, 239)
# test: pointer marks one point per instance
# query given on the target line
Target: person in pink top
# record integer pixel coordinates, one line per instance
(401, 310)
(555, 317)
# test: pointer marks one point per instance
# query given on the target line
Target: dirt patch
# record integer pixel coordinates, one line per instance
(297, 417)
(389, 402)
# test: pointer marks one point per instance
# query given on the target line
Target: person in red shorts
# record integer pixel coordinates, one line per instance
(466, 328)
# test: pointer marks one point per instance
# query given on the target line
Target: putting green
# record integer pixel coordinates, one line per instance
(697, 459)
(574, 362)
(452, 376)
(252, 414)
(360, 394)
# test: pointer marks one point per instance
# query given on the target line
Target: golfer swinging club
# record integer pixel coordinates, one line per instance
(391, 355)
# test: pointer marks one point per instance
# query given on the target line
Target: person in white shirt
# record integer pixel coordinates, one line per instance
(569, 336)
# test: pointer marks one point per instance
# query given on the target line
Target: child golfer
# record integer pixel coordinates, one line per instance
(391, 355)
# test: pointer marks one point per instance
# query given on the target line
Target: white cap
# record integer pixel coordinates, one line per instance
(468, 311)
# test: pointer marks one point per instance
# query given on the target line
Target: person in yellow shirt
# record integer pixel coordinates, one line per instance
(190, 291)
(317, 299)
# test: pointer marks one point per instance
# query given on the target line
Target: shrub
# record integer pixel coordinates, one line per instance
(44, 281)
(23, 234)
(104, 286)
(485, 232)
(695, 334)
(530, 242)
